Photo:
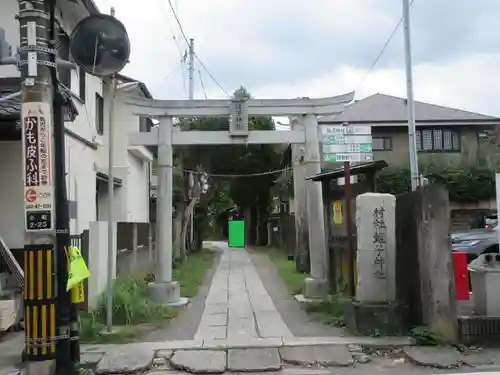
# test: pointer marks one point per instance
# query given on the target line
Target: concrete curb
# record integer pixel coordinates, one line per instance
(277, 342)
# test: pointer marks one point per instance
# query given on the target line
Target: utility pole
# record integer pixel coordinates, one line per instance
(111, 197)
(191, 178)
(66, 311)
(44, 192)
(412, 141)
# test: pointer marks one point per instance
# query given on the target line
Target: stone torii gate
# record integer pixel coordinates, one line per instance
(164, 289)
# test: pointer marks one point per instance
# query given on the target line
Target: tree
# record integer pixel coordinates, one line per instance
(251, 194)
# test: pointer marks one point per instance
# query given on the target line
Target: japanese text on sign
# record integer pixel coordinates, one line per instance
(379, 242)
(37, 168)
(31, 149)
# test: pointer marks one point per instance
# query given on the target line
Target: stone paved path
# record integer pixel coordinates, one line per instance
(238, 306)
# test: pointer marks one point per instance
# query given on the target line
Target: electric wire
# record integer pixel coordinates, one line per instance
(195, 54)
(381, 52)
(229, 175)
(202, 84)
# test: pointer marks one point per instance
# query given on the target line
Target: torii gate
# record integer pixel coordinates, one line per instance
(164, 289)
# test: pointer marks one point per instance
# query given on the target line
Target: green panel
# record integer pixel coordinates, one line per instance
(236, 233)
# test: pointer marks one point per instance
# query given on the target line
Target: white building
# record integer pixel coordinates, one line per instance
(86, 138)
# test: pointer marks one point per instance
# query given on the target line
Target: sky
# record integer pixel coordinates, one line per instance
(317, 48)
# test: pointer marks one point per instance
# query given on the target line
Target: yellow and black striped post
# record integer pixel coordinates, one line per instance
(39, 302)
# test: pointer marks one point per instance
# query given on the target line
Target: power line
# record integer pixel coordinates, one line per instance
(195, 55)
(210, 74)
(202, 84)
(381, 52)
(216, 175)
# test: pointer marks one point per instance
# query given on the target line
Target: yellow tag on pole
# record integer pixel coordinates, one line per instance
(78, 293)
(77, 269)
(337, 212)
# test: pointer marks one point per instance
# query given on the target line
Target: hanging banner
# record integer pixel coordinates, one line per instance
(36, 125)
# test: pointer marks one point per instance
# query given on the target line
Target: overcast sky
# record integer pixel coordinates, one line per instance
(315, 48)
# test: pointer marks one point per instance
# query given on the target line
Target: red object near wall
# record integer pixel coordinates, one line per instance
(461, 276)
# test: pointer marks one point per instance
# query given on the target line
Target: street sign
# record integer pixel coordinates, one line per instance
(36, 127)
(351, 143)
(347, 157)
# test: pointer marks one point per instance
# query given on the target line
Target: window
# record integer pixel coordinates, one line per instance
(99, 114)
(438, 140)
(63, 52)
(82, 83)
(381, 143)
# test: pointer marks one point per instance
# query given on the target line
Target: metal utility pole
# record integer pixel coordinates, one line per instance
(111, 196)
(44, 191)
(191, 178)
(412, 141)
(348, 221)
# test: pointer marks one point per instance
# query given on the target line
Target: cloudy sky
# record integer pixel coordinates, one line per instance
(291, 48)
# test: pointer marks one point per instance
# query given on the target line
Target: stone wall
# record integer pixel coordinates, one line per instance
(424, 266)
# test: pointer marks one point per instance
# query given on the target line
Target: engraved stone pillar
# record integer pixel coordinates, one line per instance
(376, 254)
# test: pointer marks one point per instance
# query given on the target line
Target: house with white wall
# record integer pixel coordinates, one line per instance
(87, 128)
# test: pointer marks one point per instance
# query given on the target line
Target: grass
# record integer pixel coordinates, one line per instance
(134, 314)
(191, 273)
(329, 311)
(293, 280)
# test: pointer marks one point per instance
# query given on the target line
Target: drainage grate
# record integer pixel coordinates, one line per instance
(479, 329)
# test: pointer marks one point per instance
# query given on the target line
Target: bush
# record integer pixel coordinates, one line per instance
(464, 184)
(131, 306)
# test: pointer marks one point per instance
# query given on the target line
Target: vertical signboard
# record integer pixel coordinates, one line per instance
(36, 127)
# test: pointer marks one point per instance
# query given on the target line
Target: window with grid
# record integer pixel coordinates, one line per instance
(438, 140)
(381, 143)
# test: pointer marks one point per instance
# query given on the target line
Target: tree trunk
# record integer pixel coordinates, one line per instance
(186, 219)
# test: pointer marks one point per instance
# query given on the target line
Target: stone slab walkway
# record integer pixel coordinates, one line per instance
(238, 306)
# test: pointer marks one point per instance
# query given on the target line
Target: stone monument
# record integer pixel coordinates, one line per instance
(374, 308)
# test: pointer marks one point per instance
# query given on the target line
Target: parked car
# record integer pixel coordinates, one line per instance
(475, 242)
(484, 221)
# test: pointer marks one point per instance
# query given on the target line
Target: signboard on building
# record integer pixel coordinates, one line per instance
(346, 143)
(39, 204)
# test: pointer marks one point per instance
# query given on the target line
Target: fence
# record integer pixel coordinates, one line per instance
(282, 232)
(135, 248)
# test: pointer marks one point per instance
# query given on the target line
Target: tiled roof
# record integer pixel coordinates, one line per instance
(11, 108)
(386, 108)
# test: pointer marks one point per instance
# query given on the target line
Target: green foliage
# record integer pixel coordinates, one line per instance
(424, 336)
(232, 160)
(330, 311)
(467, 184)
(287, 270)
(134, 311)
(131, 306)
